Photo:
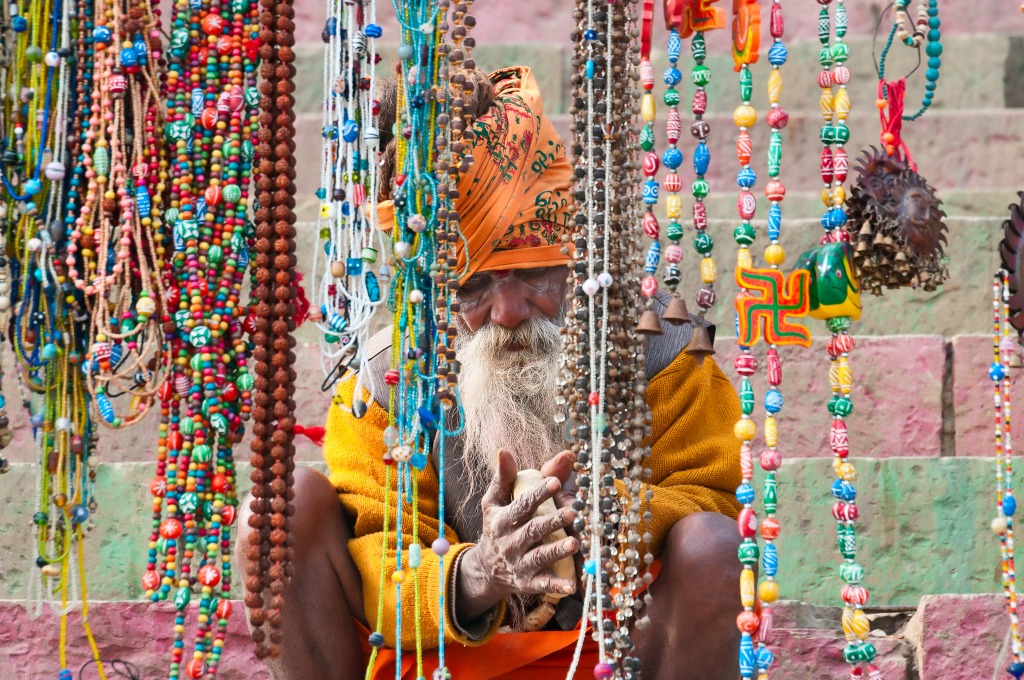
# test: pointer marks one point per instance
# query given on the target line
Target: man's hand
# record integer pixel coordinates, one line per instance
(511, 556)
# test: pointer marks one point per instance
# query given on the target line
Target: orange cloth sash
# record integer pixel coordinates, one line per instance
(514, 203)
(543, 655)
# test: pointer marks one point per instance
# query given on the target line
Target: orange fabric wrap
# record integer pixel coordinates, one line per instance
(514, 203)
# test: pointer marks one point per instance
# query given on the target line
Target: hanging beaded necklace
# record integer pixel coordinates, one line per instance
(349, 292)
(604, 299)
(211, 101)
(1003, 349)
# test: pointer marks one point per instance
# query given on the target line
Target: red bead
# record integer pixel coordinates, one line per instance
(195, 668)
(764, 633)
(776, 24)
(773, 366)
(845, 512)
(249, 324)
(857, 595)
(673, 126)
(777, 118)
(229, 393)
(158, 487)
(699, 103)
(839, 440)
(228, 514)
(214, 195)
(650, 224)
(672, 183)
(224, 45)
(770, 528)
(746, 364)
(747, 621)
(208, 575)
(594, 399)
(151, 580)
(391, 377)
(651, 164)
(219, 483)
(166, 391)
(747, 523)
(746, 205)
(744, 147)
(824, 79)
(844, 343)
(700, 216)
(208, 118)
(827, 166)
(170, 528)
(841, 164)
(213, 24)
(224, 608)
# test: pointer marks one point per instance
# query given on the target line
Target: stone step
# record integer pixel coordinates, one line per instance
(971, 78)
(808, 640)
(924, 528)
(550, 21)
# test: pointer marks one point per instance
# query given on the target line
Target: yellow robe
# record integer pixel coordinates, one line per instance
(694, 459)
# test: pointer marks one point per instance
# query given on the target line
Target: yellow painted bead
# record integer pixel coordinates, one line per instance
(827, 106)
(673, 206)
(846, 471)
(398, 577)
(743, 259)
(774, 86)
(844, 375)
(774, 254)
(747, 587)
(826, 196)
(708, 270)
(744, 116)
(842, 104)
(325, 210)
(855, 624)
(745, 429)
(768, 591)
(838, 195)
(647, 107)
(771, 432)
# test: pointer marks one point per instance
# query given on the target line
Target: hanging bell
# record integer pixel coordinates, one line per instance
(700, 345)
(649, 323)
(676, 314)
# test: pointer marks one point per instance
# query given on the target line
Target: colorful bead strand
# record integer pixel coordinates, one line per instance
(1003, 348)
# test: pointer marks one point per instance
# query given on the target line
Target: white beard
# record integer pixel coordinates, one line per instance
(509, 397)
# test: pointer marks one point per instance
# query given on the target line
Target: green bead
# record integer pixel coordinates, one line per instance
(101, 160)
(208, 510)
(202, 453)
(252, 97)
(748, 553)
(841, 20)
(825, 57)
(744, 234)
(827, 134)
(34, 54)
(189, 501)
(187, 427)
(859, 652)
(840, 52)
(703, 243)
(839, 324)
(700, 188)
(164, 545)
(846, 539)
(771, 494)
(746, 85)
(674, 231)
(219, 423)
(245, 382)
(774, 153)
(671, 97)
(701, 75)
(40, 519)
(171, 216)
(179, 38)
(232, 194)
(746, 397)
(824, 26)
(851, 572)
(239, 6)
(843, 406)
(214, 255)
(646, 138)
(196, 362)
(331, 338)
(842, 133)
(698, 48)
(182, 598)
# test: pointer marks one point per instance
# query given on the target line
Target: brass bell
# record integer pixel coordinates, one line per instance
(676, 313)
(865, 229)
(700, 346)
(649, 323)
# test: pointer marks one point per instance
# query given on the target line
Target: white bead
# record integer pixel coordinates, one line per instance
(34, 245)
(415, 297)
(402, 249)
(55, 171)
(5, 303)
(51, 59)
(591, 286)
(427, 28)
(604, 279)
(405, 52)
(999, 525)
(5, 287)
(63, 424)
(403, 454)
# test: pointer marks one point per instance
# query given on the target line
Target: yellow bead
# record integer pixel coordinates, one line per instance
(771, 432)
(398, 577)
(745, 429)
(768, 591)
(855, 624)
(844, 375)
(743, 259)
(774, 86)
(827, 105)
(708, 270)
(826, 196)
(838, 195)
(774, 254)
(647, 107)
(747, 587)
(744, 116)
(842, 104)
(673, 206)
(846, 471)
(325, 210)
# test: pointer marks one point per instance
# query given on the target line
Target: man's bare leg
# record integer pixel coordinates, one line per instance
(319, 639)
(693, 634)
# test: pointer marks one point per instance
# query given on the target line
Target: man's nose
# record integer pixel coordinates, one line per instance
(509, 306)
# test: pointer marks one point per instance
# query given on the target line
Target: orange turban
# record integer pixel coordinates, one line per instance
(514, 202)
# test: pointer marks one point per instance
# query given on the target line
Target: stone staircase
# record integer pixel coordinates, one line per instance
(921, 433)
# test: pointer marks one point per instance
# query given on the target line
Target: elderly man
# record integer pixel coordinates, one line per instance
(510, 312)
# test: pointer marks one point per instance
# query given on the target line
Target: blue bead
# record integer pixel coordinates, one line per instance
(701, 159)
(590, 34)
(1009, 506)
(746, 178)
(652, 259)
(19, 24)
(1016, 669)
(418, 461)
(675, 44)
(930, 86)
(778, 54)
(590, 69)
(934, 49)
(746, 656)
(79, 514)
(373, 31)
(350, 131)
(745, 494)
(764, 658)
(33, 187)
(128, 57)
(932, 74)
(843, 490)
(376, 640)
(672, 76)
(996, 371)
(770, 559)
(672, 158)
(773, 401)
(651, 191)
(65, 674)
(774, 222)
(590, 567)
(833, 219)
(934, 63)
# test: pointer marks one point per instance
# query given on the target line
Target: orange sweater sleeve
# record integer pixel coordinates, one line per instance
(695, 457)
(353, 450)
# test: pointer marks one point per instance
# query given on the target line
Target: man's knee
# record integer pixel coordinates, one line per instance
(702, 549)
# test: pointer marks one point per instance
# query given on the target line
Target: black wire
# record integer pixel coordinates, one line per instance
(874, 41)
(120, 667)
